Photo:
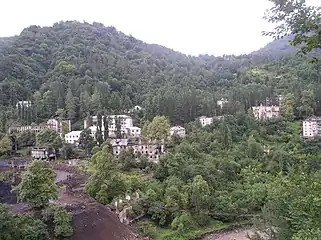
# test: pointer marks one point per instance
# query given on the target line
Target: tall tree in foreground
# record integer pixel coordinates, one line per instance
(105, 124)
(99, 134)
(297, 18)
(37, 185)
(158, 129)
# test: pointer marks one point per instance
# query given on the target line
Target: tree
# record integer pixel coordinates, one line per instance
(71, 106)
(7, 224)
(127, 159)
(225, 134)
(200, 193)
(106, 124)
(306, 104)
(99, 136)
(106, 182)
(26, 139)
(118, 127)
(86, 141)
(48, 138)
(61, 220)
(296, 17)
(20, 226)
(158, 129)
(37, 185)
(5, 145)
(288, 105)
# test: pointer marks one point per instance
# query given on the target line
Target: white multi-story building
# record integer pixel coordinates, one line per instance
(221, 102)
(178, 131)
(53, 124)
(125, 121)
(263, 112)
(72, 137)
(312, 127)
(206, 120)
(25, 104)
(133, 131)
(126, 125)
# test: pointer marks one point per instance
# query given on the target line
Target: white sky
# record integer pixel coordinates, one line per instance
(192, 27)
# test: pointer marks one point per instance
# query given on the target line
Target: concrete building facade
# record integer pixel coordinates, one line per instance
(206, 120)
(72, 137)
(264, 112)
(178, 131)
(312, 127)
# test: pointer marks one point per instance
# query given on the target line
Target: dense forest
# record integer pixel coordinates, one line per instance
(73, 69)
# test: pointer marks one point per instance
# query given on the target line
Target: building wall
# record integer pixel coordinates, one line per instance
(312, 127)
(263, 112)
(177, 130)
(134, 131)
(72, 137)
(206, 121)
(52, 124)
(126, 122)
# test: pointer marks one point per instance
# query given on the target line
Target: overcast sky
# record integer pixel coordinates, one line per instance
(192, 27)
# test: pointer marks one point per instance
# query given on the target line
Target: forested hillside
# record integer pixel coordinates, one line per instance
(75, 69)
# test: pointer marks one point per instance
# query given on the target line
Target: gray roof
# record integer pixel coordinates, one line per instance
(119, 142)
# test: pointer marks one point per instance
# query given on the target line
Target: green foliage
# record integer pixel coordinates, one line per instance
(5, 145)
(184, 223)
(106, 182)
(86, 141)
(296, 17)
(26, 139)
(37, 185)
(61, 220)
(158, 129)
(5, 176)
(48, 138)
(20, 227)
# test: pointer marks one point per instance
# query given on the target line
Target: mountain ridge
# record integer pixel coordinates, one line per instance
(81, 68)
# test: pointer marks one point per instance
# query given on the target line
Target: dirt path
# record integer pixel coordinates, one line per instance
(241, 234)
(61, 176)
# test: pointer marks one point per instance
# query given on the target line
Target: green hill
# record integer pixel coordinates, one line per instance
(81, 68)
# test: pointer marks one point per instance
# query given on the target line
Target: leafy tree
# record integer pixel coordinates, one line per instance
(86, 141)
(48, 138)
(127, 159)
(200, 193)
(288, 105)
(71, 106)
(296, 17)
(158, 129)
(106, 182)
(106, 124)
(226, 137)
(61, 220)
(99, 134)
(118, 127)
(5, 145)
(37, 185)
(26, 139)
(7, 224)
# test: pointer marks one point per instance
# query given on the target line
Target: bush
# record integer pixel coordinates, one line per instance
(146, 228)
(184, 223)
(61, 219)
